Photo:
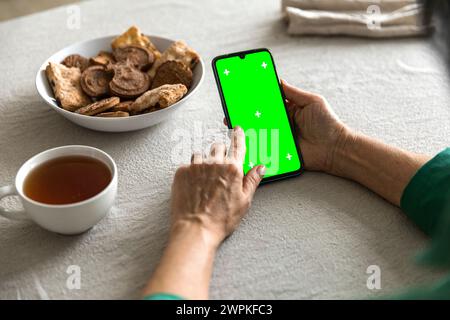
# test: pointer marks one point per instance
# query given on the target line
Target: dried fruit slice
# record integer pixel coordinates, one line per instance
(162, 97)
(123, 106)
(95, 81)
(139, 57)
(128, 82)
(113, 114)
(134, 37)
(179, 51)
(103, 58)
(99, 106)
(77, 61)
(172, 72)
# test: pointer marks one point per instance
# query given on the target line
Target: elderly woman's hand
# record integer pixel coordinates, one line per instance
(209, 198)
(328, 145)
(212, 192)
(319, 131)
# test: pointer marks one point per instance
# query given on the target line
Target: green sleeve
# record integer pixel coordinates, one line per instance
(162, 296)
(426, 201)
(426, 198)
(437, 291)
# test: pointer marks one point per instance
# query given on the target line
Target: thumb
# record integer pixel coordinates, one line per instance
(253, 178)
(300, 97)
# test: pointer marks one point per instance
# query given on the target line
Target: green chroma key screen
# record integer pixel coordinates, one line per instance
(253, 100)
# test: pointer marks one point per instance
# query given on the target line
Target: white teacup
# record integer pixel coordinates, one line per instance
(73, 218)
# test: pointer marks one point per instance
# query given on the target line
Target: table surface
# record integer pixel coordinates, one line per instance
(312, 237)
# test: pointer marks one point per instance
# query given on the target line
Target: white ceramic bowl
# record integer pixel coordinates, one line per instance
(90, 48)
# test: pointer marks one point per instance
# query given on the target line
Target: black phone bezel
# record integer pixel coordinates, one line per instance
(225, 109)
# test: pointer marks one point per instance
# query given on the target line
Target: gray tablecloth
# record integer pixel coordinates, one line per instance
(312, 237)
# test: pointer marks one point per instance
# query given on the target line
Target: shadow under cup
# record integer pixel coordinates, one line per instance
(71, 218)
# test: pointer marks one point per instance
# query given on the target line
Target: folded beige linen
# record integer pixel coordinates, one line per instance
(346, 5)
(383, 18)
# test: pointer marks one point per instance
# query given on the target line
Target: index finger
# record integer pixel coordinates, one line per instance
(237, 146)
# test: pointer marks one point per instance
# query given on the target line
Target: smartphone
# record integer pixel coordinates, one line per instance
(253, 99)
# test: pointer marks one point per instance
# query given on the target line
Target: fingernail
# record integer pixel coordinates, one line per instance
(262, 170)
(237, 129)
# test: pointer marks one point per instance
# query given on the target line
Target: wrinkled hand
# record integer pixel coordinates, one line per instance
(212, 192)
(318, 129)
